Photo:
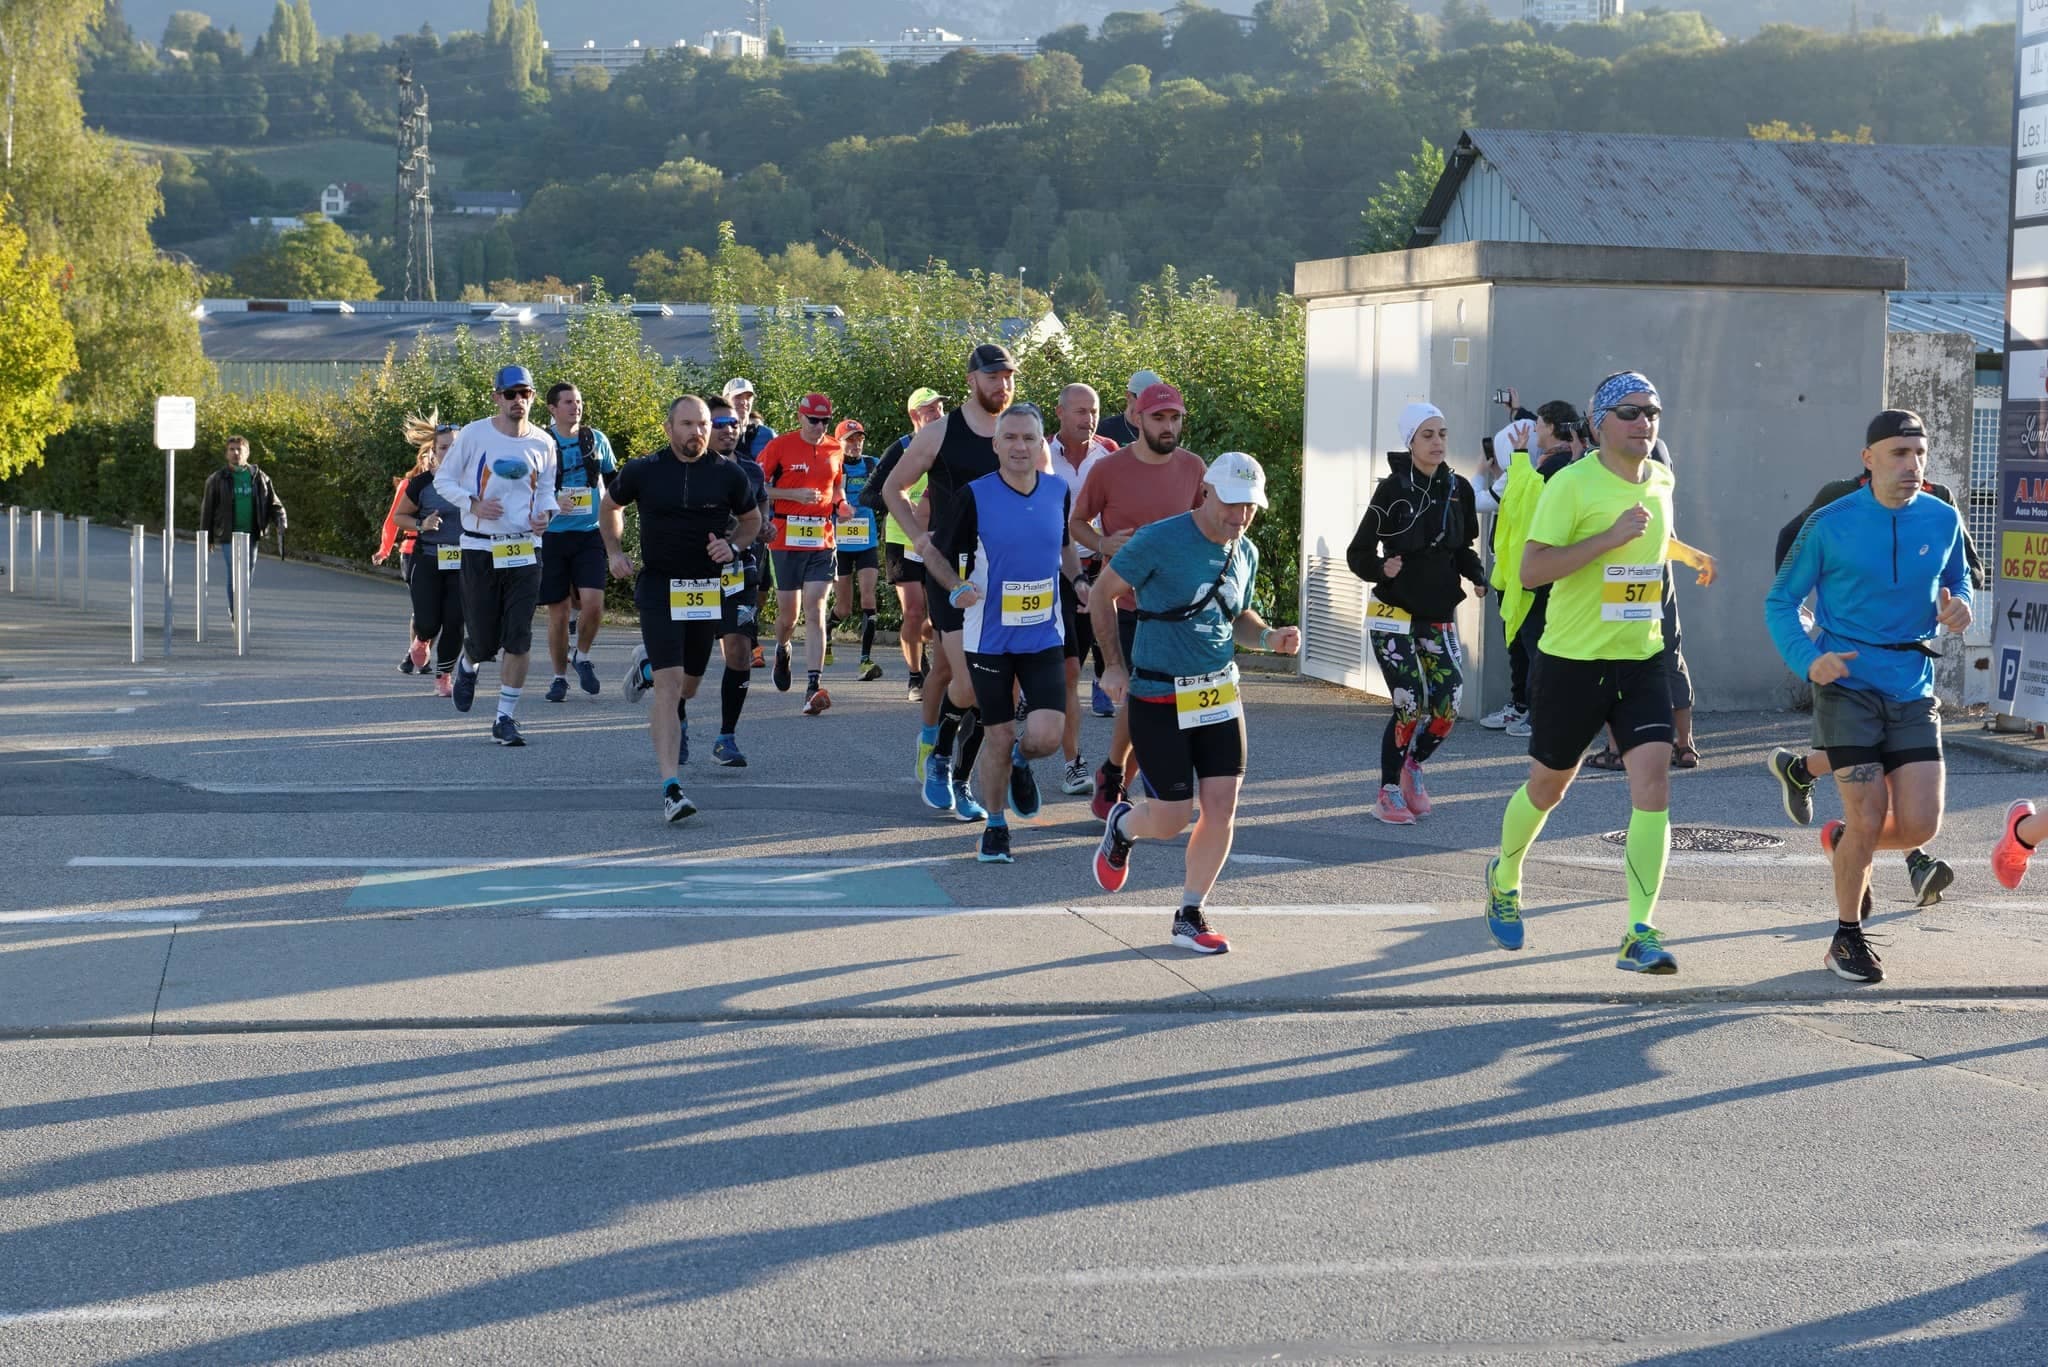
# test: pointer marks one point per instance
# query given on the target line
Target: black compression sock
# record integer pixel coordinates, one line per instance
(971, 732)
(732, 696)
(867, 635)
(950, 718)
(682, 709)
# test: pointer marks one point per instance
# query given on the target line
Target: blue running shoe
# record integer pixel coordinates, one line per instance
(683, 750)
(964, 805)
(586, 676)
(558, 690)
(938, 782)
(995, 846)
(1503, 911)
(726, 751)
(464, 691)
(1024, 800)
(1642, 951)
(1098, 701)
(505, 731)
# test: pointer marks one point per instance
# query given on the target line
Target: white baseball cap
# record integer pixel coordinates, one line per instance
(1143, 381)
(737, 385)
(1237, 478)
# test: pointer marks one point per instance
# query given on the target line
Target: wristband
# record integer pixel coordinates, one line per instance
(1265, 638)
(954, 596)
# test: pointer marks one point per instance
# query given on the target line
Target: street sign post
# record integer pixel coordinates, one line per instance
(177, 429)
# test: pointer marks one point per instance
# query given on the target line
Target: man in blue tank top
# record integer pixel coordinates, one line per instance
(1004, 560)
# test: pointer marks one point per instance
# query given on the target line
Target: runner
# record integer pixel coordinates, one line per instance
(754, 434)
(425, 436)
(1424, 517)
(740, 587)
(859, 550)
(698, 514)
(1891, 573)
(1153, 479)
(500, 474)
(1796, 773)
(1599, 538)
(1009, 531)
(1192, 577)
(1537, 448)
(572, 558)
(953, 454)
(906, 569)
(809, 491)
(1121, 429)
(1076, 450)
(434, 577)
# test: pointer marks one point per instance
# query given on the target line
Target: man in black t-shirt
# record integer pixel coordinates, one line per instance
(697, 515)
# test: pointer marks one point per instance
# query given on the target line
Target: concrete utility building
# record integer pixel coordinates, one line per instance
(1765, 286)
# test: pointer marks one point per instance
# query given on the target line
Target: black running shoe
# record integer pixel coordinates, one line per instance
(1851, 957)
(1024, 800)
(1798, 797)
(995, 846)
(781, 674)
(1930, 876)
(674, 806)
(505, 731)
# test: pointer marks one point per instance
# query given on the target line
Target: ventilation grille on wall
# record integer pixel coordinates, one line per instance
(1334, 615)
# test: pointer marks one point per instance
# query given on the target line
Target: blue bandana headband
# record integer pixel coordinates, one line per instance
(1612, 391)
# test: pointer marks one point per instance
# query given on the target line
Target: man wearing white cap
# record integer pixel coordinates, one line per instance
(1122, 428)
(1192, 576)
(754, 434)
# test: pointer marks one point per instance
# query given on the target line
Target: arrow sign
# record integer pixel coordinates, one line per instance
(2012, 614)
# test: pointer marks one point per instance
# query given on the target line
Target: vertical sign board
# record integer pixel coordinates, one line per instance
(2019, 606)
(177, 429)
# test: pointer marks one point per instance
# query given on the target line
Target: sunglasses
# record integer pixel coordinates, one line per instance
(820, 421)
(517, 393)
(1630, 412)
(725, 422)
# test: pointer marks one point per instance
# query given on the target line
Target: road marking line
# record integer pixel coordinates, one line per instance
(149, 916)
(830, 913)
(135, 1312)
(1689, 858)
(1236, 858)
(347, 789)
(138, 692)
(394, 862)
(122, 711)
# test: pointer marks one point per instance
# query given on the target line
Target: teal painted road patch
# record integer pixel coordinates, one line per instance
(748, 887)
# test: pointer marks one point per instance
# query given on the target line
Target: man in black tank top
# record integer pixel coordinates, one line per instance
(954, 454)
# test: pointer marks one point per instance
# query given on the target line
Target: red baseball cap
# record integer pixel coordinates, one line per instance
(815, 406)
(849, 426)
(1160, 396)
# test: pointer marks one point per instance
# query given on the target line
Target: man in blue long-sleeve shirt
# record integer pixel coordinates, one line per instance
(1891, 571)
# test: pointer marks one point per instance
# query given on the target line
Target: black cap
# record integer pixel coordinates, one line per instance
(989, 358)
(1894, 422)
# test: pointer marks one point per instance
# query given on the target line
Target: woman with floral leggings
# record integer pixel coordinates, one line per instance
(1413, 546)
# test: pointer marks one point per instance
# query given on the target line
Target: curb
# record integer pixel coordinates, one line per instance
(2016, 752)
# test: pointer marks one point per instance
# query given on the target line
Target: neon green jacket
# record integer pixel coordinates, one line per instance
(1510, 534)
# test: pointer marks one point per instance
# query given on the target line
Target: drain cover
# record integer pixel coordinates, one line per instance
(1710, 839)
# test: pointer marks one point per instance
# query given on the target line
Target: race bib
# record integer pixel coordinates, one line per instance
(1201, 699)
(1027, 604)
(853, 534)
(1386, 618)
(808, 533)
(580, 503)
(732, 579)
(511, 555)
(694, 600)
(448, 557)
(1632, 593)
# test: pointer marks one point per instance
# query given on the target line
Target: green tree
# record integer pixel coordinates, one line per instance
(1132, 82)
(1388, 220)
(183, 29)
(281, 40)
(315, 260)
(778, 45)
(498, 22)
(307, 33)
(36, 350)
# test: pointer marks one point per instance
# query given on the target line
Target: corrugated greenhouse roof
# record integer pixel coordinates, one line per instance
(1981, 316)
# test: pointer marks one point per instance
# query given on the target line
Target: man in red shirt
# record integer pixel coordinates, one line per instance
(807, 487)
(1155, 477)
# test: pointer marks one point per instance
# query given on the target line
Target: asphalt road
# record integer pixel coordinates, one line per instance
(330, 1031)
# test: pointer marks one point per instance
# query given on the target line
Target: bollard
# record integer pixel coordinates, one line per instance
(199, 585)
(13, 541)
(239, 553)
(35, 551)
(84, 545)
(57, 558)
(136, 554)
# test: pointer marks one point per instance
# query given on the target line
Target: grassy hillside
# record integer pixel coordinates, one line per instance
(330, 159)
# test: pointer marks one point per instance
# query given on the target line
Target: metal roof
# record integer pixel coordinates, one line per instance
(1981, 316)
(1941, 208)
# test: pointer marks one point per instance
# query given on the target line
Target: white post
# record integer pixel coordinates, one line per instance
(84, 548)
(13, 540)
(57, 558)
(199, 585)
(136, 554)
(239, 550)
(170, 541)
(35, 551)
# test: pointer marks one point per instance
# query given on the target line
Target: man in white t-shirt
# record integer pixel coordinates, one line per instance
(501, 473)
(1076, 449)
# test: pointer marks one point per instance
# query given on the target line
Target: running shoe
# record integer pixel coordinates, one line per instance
(758, 662)
(816, 700)
(1520, 727)
(1108, 792)
(674, 806)
(1851, 958)
(914, 690)
(637, 682)
(558, 690)
(829, 659)
(2009, 857)
(464, 688)
(405, 664)
(444, 687)
(1642, 951)
(726, 751)
(417, 656)
(869, 671)
(1074, 779)
(1113, 853)
(938, 780)
(1392, 808)
(683, 748)
(1830, 832)
(1024, 799)
(1503, 911)
(1498, 721)
(505, 731)
(1412, 791)
(924, 752)
(586, 676)
(965, 806)
(1191, 931)
(782, 669)
(1798, 796)
(1098, 701)
(995, 846)
(1930, 876)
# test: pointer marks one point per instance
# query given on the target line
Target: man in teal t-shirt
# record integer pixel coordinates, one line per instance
(572, 555)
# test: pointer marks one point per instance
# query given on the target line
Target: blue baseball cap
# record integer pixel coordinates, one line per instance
(512, 377)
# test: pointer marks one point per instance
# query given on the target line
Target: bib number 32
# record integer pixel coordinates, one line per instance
(1200, 699)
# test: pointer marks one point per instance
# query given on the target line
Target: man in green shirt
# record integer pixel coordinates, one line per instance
(238, 498)
(1600, 537)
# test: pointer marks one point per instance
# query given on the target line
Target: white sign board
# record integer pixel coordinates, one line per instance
(2019, 602)
(177, 423)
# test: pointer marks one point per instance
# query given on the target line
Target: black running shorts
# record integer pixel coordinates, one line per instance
(1173, 760)
(1572, 701)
